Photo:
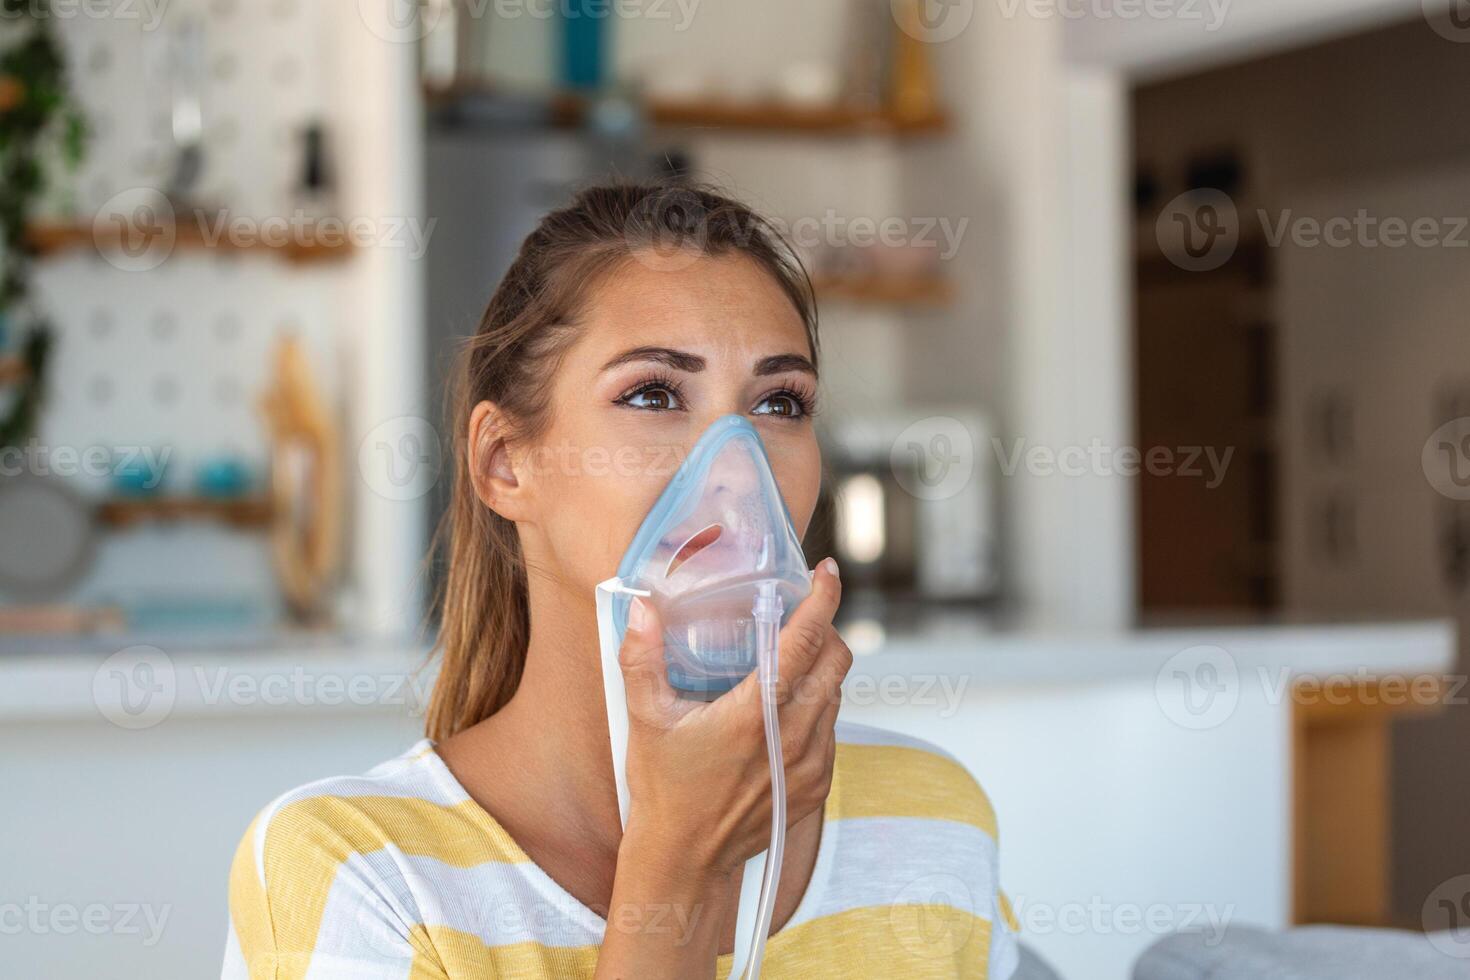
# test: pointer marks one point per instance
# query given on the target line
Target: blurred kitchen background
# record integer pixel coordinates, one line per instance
(1146, 416)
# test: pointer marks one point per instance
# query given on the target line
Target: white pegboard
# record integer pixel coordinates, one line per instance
(264, 81)
(177, 357)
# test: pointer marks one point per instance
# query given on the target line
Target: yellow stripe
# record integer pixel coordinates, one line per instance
(464, 954)
(899, 781)
(462, 835)
(250, 912)
(308, 840)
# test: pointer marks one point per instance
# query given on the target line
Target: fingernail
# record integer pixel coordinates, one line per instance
(830, 564)
(637, 614)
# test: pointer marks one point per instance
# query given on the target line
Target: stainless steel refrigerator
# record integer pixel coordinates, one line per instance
(489, 181)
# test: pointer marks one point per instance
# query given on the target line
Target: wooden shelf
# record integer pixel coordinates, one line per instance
(926, 291)
(12, 369)
(570, 109)
(60, 619)
(52, 238)
(245, 512)
(837, 120)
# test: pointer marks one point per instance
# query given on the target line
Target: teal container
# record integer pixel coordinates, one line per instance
(584, 39)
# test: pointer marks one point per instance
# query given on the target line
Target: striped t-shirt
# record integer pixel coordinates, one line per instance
(400, 874)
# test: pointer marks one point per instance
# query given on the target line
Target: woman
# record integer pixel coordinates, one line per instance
(629, 321)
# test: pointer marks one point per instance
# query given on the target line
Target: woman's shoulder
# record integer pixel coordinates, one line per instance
(409, 801)
(882, 773)
(332, 871)
(402, 782)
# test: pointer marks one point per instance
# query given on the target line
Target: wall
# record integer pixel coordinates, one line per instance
(1037, 167)
(1362, 105)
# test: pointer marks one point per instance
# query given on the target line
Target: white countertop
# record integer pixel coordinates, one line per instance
(94, 679)
(1057, 657)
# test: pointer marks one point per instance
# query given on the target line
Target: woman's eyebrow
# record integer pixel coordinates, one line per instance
(684, 361)
(779, 363)
(677, 359)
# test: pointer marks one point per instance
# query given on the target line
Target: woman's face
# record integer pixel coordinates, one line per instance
(663, 353)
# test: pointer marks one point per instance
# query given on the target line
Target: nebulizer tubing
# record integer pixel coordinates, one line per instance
(767, 612)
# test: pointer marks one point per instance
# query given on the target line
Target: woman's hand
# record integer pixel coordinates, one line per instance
(699, 780)
(698, 774)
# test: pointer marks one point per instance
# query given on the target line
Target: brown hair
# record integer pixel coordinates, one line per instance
(528, 324)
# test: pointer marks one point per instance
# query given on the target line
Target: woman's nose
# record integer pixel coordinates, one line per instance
(733, 471)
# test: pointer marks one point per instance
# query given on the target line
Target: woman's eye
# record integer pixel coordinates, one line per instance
(781, 404)
(656, 398)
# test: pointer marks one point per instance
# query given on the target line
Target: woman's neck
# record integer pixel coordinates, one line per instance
(552, 734)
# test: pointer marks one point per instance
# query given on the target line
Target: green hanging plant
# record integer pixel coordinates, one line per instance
(38, 117)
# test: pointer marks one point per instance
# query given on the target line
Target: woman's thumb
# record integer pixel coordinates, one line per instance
(642, 660)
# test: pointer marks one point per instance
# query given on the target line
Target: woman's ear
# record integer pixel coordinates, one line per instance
(493, 468)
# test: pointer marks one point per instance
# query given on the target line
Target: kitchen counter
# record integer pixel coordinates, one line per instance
(59, 679)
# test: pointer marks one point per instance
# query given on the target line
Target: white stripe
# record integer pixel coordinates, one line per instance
(235, 967)
(849, 733)
(376, 898)
(1005, 951)
(878, 861)
(354, 968)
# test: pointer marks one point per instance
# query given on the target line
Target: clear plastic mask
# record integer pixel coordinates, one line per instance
(717, 532)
